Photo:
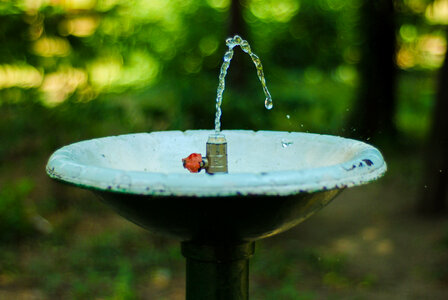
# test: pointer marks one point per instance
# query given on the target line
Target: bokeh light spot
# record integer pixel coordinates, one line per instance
(274, 11)
(57, 86)
(49, 46)
(23, 76)
(437, 12)
(208, 45)
(219, 4)
(408, 32)
(79, 26)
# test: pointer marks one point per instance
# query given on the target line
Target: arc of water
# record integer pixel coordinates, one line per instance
(244, 45)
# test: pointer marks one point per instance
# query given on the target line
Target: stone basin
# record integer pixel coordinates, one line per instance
(275, 181)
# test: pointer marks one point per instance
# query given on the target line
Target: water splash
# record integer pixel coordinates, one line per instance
(286, 143)
(244, 45)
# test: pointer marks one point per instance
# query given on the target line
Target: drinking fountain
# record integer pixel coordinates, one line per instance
(257, 184)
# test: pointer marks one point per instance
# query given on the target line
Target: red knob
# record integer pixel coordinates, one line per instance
(193, 162)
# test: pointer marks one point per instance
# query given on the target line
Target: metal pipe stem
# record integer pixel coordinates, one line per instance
(217, 272)
(216, 156)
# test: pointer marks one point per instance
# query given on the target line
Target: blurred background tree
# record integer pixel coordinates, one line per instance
(78, 69)
(434, 199)
(374, 109)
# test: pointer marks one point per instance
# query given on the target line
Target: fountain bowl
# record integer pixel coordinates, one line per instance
(275, 181)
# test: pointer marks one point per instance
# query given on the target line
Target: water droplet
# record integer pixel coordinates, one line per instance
(348, 109)
(286, 143)
(237, 39)
(245, 46)
(368, 138)
(288, 117)
(230, 43)
(268, 103)
(440, 171)
(425, 186)
(301, 125)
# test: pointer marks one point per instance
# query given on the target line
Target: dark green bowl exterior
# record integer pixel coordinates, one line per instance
(217, 219)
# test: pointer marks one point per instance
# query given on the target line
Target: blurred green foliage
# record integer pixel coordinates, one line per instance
(14, 213)
(283, 272)
(77, 69)
(123, 66)
(109, 265)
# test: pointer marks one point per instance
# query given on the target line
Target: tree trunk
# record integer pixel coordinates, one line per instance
(374, 109)
(435, 183)
(240, 63)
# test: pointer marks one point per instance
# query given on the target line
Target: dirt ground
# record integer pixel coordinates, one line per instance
(376, 229)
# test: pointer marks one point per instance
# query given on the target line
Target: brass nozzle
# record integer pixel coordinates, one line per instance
(216, 159)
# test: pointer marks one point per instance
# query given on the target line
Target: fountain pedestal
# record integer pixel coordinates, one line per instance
(217, 272)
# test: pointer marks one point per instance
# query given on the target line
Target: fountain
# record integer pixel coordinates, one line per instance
(262, 184)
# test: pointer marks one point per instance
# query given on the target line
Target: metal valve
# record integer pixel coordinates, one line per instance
(215, 160)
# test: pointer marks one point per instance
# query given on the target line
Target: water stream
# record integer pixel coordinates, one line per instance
(244, 45)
